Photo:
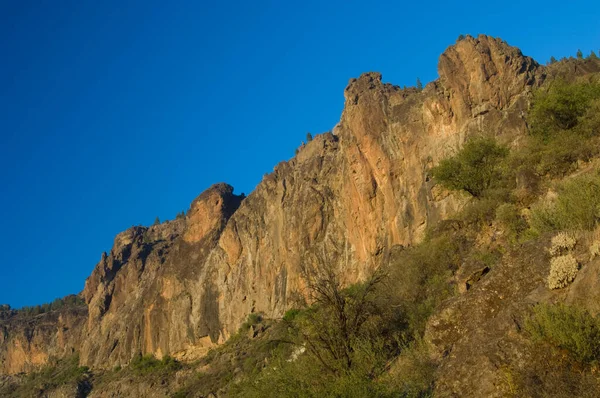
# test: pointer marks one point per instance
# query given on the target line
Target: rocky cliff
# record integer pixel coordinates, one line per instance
(345, 199)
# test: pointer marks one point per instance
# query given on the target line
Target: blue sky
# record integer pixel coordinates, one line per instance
(115, 112)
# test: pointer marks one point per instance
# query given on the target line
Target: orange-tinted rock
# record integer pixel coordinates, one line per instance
(345, 200)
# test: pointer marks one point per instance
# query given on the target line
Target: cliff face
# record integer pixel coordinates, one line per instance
(26, 343)
(344, 200)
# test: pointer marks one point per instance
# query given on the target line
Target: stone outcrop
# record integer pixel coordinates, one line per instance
(346, 198)
(28, 342)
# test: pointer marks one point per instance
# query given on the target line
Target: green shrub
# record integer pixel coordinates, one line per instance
(302, 378)
(476, 168)
(568, 328)
(576, 207)
(564, 124)
(510, 218)
(479, 212)
(290, 315)
(419, 277)
(147, 364)
(56, 373)
(560, 107)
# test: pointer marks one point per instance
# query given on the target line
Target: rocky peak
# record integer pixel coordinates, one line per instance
(210, 211)
(482, 72)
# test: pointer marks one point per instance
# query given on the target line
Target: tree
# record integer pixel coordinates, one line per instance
(156, 221)
(579, 54)
(475, 168)
(419, 84)
(593, 55)
(309, 137)
(341, 322)
(460, 37)
(552, 60)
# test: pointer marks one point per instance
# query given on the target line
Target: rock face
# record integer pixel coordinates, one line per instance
(344, 200)
(26, 343)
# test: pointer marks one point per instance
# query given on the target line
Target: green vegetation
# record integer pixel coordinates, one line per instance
(363, 340)
(147, 364)
(69, 301)
(57, 373)
(476, 169)
(566, 327)
(509, 217)
(577, 206)
(565, 108)
(419, 85)
(420, 276)
(348, 336)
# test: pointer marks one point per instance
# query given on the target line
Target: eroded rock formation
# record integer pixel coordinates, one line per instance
(345, 200)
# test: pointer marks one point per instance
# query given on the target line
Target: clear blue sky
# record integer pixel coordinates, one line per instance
(115, 112)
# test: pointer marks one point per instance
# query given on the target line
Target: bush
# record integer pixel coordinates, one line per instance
(346, 339)
(479, 212)
(559, 156)
(413, 373)
(563, 270)
(421, 275)
(562, 243)
(568, 328)
(475, 169)
(57, 372)
(290, 315)
(508, 215)
(560, 107)
(576, 207)
(564, 124)
(147, 364)
(346, 329)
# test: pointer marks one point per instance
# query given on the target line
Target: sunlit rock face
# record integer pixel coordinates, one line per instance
(345, 199)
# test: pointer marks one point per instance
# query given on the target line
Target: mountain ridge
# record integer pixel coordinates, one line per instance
(347, 199)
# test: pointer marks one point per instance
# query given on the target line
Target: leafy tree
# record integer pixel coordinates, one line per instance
(460, 37)
(552, 60)
(156, 221)
(309, 137)
(475, 168)
(593, 55)
(419, 84)
(579, 54)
